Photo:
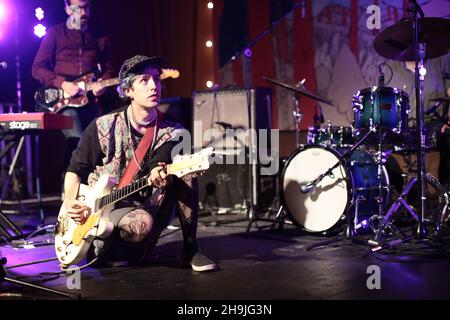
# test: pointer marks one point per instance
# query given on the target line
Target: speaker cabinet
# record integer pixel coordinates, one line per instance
(216, 111)
(228, 187)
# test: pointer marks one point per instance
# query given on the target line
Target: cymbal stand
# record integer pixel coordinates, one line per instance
(419, 75)
(298, 116)
(380, 159)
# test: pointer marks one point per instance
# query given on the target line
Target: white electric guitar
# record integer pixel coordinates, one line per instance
(73, 240)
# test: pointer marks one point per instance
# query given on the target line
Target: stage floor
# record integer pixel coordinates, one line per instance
(263, 265)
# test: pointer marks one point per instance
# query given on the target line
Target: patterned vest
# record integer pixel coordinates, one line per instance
(115, 143)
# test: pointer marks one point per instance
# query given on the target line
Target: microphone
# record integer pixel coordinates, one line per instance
(199, 103)
(3, 65)
(433, 108)
(306, 188)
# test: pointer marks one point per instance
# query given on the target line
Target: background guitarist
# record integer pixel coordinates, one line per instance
(68, 51)
(108, 145)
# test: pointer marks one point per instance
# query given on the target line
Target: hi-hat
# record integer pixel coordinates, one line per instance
(300, 90)
(396, 42)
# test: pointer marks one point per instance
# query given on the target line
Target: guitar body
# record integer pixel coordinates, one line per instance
(55, 99)
(72, 240)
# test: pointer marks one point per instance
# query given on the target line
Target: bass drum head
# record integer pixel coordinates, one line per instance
(322, 208)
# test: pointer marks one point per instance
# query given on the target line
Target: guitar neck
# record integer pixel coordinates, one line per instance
(124, 192)
(103, 83)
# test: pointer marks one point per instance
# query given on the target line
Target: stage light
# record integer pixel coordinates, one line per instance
(2, 11)
(422, 71)
(40, 30)
(39, 13)
(209, 84)
(210, 5)
(209, 43)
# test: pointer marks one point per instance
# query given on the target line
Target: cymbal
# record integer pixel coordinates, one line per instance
(300, 90)
(396, 42)
(442, 99)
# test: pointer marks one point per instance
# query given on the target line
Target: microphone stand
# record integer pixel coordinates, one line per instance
(246, 53)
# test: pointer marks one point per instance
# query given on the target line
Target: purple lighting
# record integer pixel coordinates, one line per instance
(2, 11)
(40, 30)
(39, 13)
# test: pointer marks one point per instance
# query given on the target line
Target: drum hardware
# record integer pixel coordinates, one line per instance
(298, 116)
(337, 137)
(310, 186)
(402, 201)
(313, 186)
(299, 91)
(441, 100)
(380, 105)
(387, 108)
(402, 42)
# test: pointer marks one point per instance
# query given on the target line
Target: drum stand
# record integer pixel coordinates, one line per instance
(421, 232)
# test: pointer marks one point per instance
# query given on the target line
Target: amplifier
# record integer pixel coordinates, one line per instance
(226, 187)
(216, 111)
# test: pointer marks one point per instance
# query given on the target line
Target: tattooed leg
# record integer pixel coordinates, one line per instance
(187, 203)
(135, 225)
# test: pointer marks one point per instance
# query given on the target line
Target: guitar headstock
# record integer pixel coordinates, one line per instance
(170, 73)
(191, 163)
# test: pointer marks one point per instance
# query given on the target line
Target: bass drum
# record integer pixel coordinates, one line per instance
(321, 208)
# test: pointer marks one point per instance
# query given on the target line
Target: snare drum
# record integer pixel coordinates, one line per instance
(384, 106)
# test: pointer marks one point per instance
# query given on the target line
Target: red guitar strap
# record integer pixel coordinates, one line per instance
(140, 152)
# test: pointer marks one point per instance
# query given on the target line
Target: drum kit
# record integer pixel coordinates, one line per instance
(340, 178)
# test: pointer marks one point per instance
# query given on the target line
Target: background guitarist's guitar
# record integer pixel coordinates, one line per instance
(73, 240)
(55, 99)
